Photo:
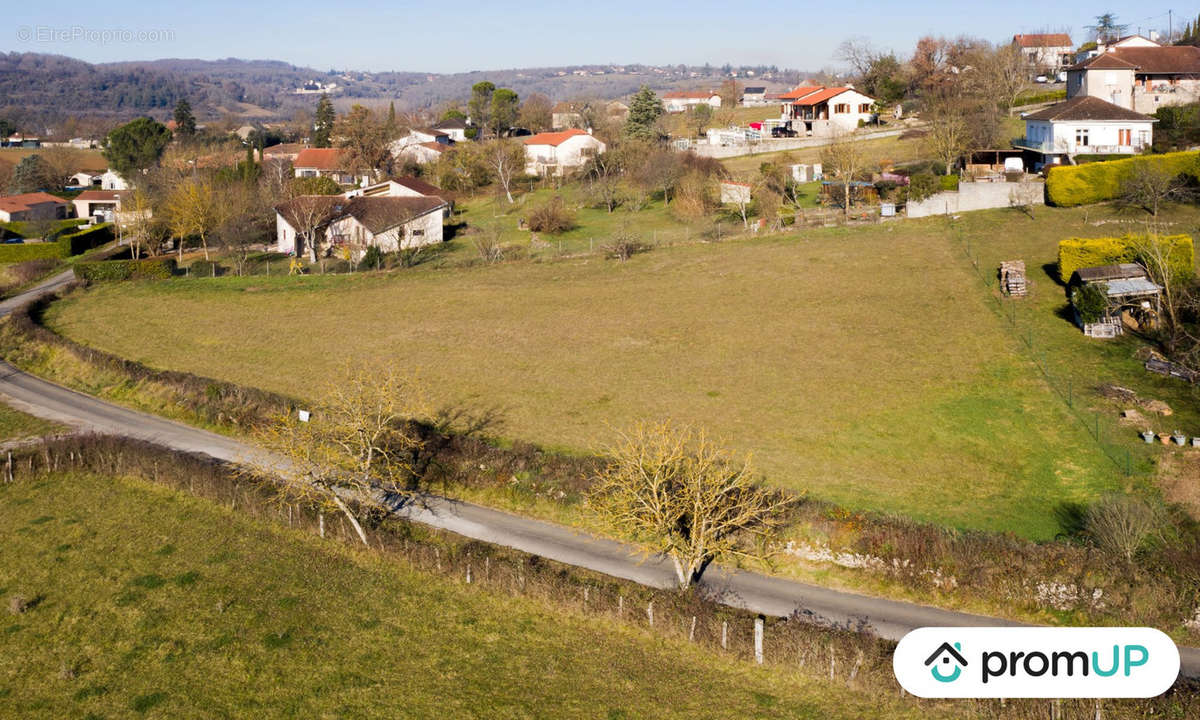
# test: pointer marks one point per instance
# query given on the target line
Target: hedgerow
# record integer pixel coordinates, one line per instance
(118, 270)
(1076, 253)
(21, 252)
(1070, 185)
(84, 240)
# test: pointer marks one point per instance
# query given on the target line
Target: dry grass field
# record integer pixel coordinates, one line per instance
(865, 365)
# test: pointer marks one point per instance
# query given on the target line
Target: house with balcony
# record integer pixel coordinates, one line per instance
(1142, 78)
(824, 111)
(1083, 125)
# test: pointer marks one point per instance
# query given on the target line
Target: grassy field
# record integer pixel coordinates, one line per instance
(864, 365)
(887, 151)
(88, 159)
(16, 425)
(150, 603)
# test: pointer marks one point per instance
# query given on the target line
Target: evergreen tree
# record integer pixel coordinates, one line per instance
(644, 111)
(135, 146)
(32, 174)
(391, 121)
(503, 111)
(185, 122)
(323, 124)
(480, 104)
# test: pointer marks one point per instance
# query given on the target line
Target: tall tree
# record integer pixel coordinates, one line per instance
(480, 105)
(503, 112)
(185, 121)
(391, 118)
(843, 160)
(505, 158)
(365, 141)
(322, 132)
(135, 146)
(536, 113)
(1107, 28)
(193, 211)
(33, 173)
(645, 109)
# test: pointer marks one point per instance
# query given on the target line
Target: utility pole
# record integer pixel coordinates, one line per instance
(1170, 25)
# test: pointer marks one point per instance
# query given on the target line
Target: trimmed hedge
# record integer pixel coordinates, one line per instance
(118, 270)
(20, 252)
(1076, 253)
(23, 228)
(84, 240)
(1070, 185)
(948, 182)
(1035, 98)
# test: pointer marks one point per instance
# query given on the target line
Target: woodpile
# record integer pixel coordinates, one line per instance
(1012, 278)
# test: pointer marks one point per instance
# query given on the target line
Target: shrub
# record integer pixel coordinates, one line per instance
(624, 245)
(922, 185)
(118, 270)
(948, 182)
(1034, 98)
(372, 259)
(1124, 525)
(1075, 253)
(83, 240)
(1091, 302)
(205, 268)
(1067, 186)
(553, 217)
(22, 252)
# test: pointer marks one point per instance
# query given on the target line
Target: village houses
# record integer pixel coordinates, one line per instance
(1141, 76)
(32, 206)
(1046, 51)
(325, 162)
(683, 100)
(559, 153)
(825, 111)
(1085, 125)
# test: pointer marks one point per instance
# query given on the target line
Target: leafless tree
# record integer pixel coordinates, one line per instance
(948, 134)
(843, 160)
(505, 159)
(1124, 525)
(690, 500)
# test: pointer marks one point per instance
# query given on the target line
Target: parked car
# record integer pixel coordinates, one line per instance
(14, 241)
(1041, 79)
(782, 131)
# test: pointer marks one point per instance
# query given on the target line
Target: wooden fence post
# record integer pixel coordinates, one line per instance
(8, 469)
(724, 634)
(650, 612)
(758, 639)
(621, 606)
(692, 632)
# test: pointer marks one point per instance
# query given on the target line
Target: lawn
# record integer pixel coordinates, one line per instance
(150, 603)
(16, 425)
(867, 365)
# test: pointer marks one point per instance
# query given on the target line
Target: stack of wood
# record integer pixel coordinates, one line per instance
(1012, 278)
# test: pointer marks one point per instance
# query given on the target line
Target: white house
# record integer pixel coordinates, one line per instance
(32, 206)
(419, 136)
(103, 204)
(681, 100)
(824, 111)
(85, 178)
(558, 153)
(406, 186)
(1046, 51)
(422, 153)
(453, 128)
(753, 96)
(355, 224)
(1139, 77)
(1085, 125)
(111, 180)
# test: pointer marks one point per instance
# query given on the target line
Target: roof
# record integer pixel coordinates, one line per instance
(756, 90)
(294, 211)
(552, 138)
(688, 95)
(451, 124)
(25, 201)
(428, 131)
(435, 145)
(568, 107)
(379, 214)
(284, 149)
(426, 189)
(1132, 286)
(99, 195)
(1087, 107)
(799, 92)
(1104, 273)
(319, 159)
(1182, 59)
(1043, 40)
(821, 96)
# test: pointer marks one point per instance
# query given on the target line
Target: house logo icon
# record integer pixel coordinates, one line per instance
(947, 653)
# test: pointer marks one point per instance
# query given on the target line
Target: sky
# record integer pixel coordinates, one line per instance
(457, 37)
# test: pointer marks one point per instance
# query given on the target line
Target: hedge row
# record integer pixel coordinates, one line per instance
(84, 240)
(1040, 97)
(1076, 253)
(20, 252)
(118, 270)
(1070, 185)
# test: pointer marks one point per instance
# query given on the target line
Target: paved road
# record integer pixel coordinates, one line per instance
(758, 593)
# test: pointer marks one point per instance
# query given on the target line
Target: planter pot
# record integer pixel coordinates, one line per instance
(1196, 442)
(1164, 438)
(1148, 436)
(1181, 440)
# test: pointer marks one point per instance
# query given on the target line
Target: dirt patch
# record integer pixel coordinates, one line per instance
(1179, 478)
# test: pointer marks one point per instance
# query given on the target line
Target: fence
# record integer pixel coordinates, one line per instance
(1060, 382)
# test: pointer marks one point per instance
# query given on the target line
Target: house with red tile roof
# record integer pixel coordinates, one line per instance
(1045, 51)
(32, 206)
(559, 153)
(97, 203)
(681, 100)
(824, 111)
(326, 162)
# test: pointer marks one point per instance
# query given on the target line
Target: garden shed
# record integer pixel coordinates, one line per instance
(1127, 297)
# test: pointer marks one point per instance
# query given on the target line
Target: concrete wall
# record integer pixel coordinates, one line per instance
(978, 196)
(767, 145)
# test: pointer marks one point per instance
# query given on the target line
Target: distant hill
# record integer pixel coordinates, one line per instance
(38, 89)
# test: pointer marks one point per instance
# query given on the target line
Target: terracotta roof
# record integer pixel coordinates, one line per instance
(568, 107)
(1043, 40)
(297, 210)
(552, 138)
(799, 92)
(1184, 59)
(379, 214)
(25, 201)
(1086, 107)
(98, 195)
(688, 95)
(822, 96)
(319, 159)
(1103, 61)
(435, 145)
(418, 185)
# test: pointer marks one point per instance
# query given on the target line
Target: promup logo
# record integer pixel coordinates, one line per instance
(947, 653)
(1016, 662)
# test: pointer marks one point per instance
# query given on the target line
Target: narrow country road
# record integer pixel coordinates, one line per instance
(890, 619)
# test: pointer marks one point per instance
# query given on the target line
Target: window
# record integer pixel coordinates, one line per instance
(1081, 137)
(418, 233)
(1124, 136)
(841, 108)
(865, 108)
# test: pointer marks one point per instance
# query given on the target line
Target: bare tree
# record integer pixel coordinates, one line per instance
(1124, 525)
(1148, 185)
(505, 158)
(309, 215)
(843, 160)
(948, 135)
(1158, 254)
(691, 500)
(359, 441)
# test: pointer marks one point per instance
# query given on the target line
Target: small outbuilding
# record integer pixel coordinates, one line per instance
(1132, 298)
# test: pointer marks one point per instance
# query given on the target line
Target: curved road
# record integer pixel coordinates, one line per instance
(890, 619)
